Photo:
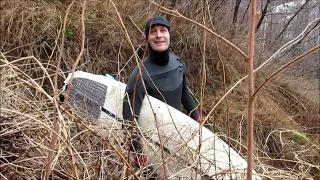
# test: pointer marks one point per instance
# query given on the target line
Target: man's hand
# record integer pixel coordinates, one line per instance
(197, 118)
(141, 160)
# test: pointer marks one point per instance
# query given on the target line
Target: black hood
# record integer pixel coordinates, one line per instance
(159, 58)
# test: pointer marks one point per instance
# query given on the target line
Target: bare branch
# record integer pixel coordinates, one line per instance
(288, 23)
(55, 105)
(283, 48)
(287, 65)
(166, 10)
(314, 27)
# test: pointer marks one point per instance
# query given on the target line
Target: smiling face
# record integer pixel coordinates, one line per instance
(159, 38)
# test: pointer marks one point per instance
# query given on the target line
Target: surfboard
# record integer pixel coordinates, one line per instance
(192, 151)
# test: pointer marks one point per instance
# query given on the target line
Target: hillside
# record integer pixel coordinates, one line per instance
(41, 39)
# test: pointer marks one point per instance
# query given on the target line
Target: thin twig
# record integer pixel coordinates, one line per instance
(224, 74)
(104, 139)
(52, 52)
(135, 25)
(134, 51)
(55, 107)
(38, 87)
(203, 84)
(83, 36)
(175, 12)
(286, 65)
(73, 163)
(283, 48)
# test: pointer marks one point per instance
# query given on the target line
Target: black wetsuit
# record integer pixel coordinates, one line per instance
(167, 73)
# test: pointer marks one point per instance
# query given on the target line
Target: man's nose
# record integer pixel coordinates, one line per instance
(158, 34)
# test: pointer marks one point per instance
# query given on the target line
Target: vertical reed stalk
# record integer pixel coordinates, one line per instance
(251, 88)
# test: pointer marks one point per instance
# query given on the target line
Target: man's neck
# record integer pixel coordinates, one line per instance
(159, 58)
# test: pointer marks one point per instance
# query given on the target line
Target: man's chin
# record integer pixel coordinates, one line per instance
(160, 49)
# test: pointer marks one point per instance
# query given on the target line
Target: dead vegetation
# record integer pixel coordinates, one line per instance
(286, 117)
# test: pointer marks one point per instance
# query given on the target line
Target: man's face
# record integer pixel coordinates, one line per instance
(159, 38)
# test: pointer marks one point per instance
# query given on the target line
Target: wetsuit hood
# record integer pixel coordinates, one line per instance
(159, 58)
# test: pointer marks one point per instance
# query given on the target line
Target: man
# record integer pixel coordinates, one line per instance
(162, 72)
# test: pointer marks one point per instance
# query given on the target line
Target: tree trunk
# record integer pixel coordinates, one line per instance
(263, 14)
(245, 12)
(236, 11)
(288, 23)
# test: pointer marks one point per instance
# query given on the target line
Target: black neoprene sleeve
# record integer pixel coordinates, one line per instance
(187, 100)
(133, 98)
(135, 94)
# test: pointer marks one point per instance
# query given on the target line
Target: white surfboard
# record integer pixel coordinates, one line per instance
(195, 154)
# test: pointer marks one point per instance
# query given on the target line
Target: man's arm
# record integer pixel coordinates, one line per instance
(188, 102)
(134, 95)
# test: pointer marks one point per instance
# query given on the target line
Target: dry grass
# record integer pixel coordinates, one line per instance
(26, 129)
(286, 130)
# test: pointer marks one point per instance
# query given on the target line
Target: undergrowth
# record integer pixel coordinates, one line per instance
(286, 117)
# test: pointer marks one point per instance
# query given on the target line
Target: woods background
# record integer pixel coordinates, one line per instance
(41, 36)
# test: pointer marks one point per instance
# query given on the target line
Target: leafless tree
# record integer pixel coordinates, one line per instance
(236, 10)
(288, 23)
(263, 13)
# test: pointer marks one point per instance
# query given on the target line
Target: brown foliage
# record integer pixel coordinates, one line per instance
(33, 28)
